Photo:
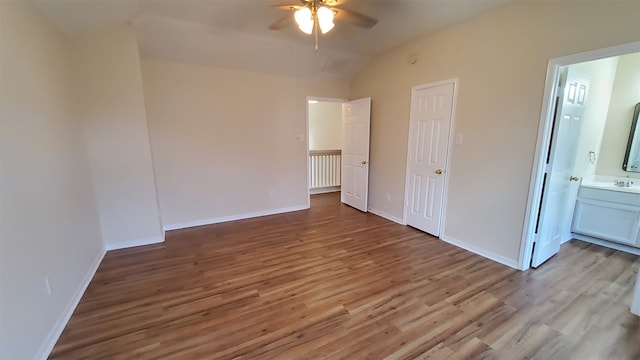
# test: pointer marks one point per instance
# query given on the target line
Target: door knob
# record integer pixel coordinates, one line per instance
(364, 162)
(573, 178)
(439, 171)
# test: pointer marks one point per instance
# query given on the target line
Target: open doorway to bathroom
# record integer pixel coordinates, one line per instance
(585, 128)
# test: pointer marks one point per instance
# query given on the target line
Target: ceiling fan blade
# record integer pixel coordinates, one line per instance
(355, 18)
(282, 23)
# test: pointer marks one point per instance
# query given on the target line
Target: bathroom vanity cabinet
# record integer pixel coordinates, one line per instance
(607, 212)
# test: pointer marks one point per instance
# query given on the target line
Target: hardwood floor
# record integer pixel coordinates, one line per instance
(335, 283)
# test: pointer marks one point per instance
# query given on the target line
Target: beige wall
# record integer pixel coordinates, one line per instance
(110, 92)
(48, 218)
(227, 143)
(601, 74)
(625, 96)
(325, 126)
(501, 60)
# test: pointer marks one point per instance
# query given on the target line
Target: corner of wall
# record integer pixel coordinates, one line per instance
(109, 76)
(54, 334)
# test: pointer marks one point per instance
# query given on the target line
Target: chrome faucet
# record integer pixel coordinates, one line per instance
(622, 183)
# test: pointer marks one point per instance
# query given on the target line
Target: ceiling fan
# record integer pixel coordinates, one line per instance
(317, 16)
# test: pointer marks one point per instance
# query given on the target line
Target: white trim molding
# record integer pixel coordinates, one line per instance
(134, 243)
(324, 190)
(478, 251)
(382, 214)
(56, 331)
(233, 217)
(609, 244)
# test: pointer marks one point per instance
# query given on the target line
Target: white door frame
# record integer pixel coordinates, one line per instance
(544, 137)
(445, 192)
(316, 98)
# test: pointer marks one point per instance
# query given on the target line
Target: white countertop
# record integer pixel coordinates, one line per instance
(607, 183)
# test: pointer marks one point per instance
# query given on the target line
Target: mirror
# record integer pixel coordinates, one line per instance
(632, 156)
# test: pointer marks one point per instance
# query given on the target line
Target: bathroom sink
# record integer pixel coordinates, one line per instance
(634, 188)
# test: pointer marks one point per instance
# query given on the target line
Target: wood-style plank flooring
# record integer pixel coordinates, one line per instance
(335, 283)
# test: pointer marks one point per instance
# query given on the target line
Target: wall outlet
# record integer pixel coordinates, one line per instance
(272, 194)
(48, 283)
(459, 139)
(388, 197)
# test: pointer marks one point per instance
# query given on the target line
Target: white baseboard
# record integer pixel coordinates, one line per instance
(133, 243)
(387, 216)
(233, 217)
(484, 253)
(323, 190)
(566, 237)
(56, 331)
(609, 244)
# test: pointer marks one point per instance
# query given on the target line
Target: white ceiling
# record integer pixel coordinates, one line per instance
(235, 34)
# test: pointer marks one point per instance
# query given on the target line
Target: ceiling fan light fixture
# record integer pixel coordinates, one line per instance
(325, 19)
(304, 19)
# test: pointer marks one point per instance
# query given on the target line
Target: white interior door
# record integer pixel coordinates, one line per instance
(430, 122)
(557, 205)
(356, 118)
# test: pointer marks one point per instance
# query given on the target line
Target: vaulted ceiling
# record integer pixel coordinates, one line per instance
(235, 33)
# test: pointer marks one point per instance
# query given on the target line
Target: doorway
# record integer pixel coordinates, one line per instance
(324, 145)
(548, 222)
(338, 149)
